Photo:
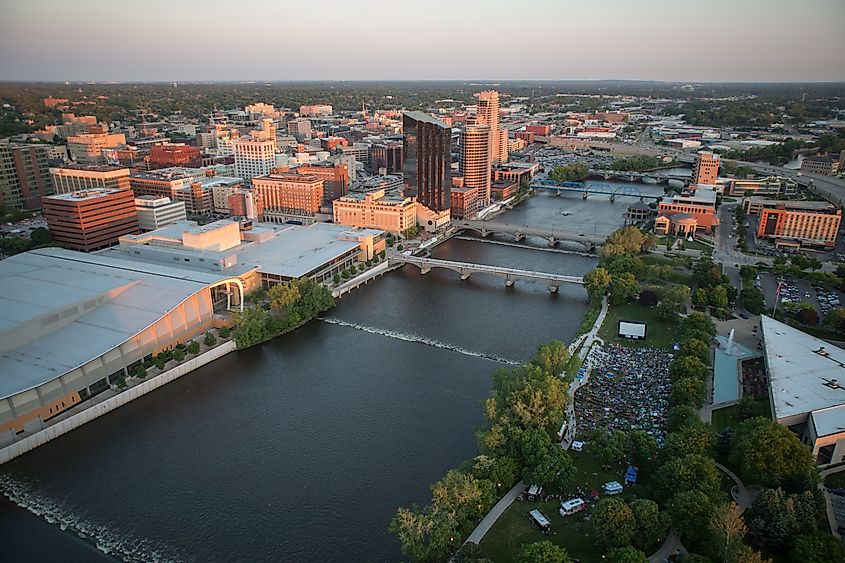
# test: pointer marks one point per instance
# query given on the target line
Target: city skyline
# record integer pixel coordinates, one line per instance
(755, 41)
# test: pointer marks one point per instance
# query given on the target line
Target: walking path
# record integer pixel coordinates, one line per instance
(585, 342)
(484, 526)
(671, 546)
(831, 515)
(743, 496)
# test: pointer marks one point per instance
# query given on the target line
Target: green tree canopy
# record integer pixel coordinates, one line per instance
(693, 439)
(697, 349)
(544, 461)
(651, 525)
(623, 288)
(542, 552)
(688, 367)
(719, 297)
(552, 357)
(613, 523)
(627, 554)
(689, 511)
(690, 473)
(699, 322)
(700, 300)
(817, 548)
(753, 300)
(767, 452)
(597, 281)
(608, 446)
(681, 416)
(776, 518)
(688, 391)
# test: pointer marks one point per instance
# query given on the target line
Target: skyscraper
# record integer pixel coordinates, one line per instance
(428, 159)
(705, 170)
(476, 159)
(24, 175)
(488, 114)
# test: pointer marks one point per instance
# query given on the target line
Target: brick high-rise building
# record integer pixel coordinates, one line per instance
(705, 169)
(335, 179)
(174, 154)
(289, 196)
(427, 153)
(88, 148)
(92, 219)
(476, 159)
(24, 175)
(488, 114)
(254, 157)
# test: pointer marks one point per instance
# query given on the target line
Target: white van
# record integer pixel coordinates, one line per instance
(571, 506)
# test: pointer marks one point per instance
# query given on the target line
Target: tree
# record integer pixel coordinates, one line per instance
(688, 367)
(808, 316)
(40, 236)
(745, 408)
(251, 326)
(647, 298)
(680, 294)
(544, 462)
(282, 295)
(424, 534)
(608, 446)
(651, 525)
(462, 497)
(688, 510)
(336, 279)
(767, 452)
(688, 391)
(708, 274)
(835, 319)
(140, 371)
(643, 446)
(542, 552)
(502, 471)
(753, 300)
(193, 347)
(627, 554)
(209, 340)
(527, 397)
(623, 288)
(694, 439)
(470, 552)
(727, 525)
(719, 297)
(597, 281)
(700, 299)
(690, 473)
(623, 263)
(552, 357)
(628, 240)
(575, 172)
(681, 416)
(667, 310)
(613, 523)
(699, 322)
(223, 332)
(817, 548)
(776, 518)
(697, 349)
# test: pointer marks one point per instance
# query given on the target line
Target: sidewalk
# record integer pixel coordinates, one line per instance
(484, 526)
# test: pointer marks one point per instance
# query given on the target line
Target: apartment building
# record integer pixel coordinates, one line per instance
(88, 148)
(78, 177)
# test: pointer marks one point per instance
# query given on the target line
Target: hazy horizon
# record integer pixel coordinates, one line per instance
(753, 41)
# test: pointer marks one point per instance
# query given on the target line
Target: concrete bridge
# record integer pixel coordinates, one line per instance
(657, 176)
(519, 232)
(466, 269)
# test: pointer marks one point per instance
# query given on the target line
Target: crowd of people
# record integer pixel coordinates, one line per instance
(628, 390)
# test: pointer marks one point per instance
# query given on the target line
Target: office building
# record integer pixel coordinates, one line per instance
(315, 110)
(376, 210)
(427, 153)
(92, 219)
(360, 151)
(78, 177)
(289, 197)
(335, 179)
(804, 390)
(330, 143)
(501, 190)
(700, 204)
(772, 185)
(192, 186)
(88, 148)
(488, 114)
(260, 110)
(466, 203)
(796, 223)
(246, 203)
(475, 162)
(386, 158)
(165, 155)
(254, 157)
(825, 165)
(705, 169)
(156, 212)
(24, 175)
(300, 128)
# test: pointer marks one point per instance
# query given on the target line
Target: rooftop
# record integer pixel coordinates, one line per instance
(425, 118)
(801, 379)
(89, 194)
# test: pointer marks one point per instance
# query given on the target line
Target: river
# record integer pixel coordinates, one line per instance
(302, 448)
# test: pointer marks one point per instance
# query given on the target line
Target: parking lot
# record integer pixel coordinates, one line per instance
(801, 291)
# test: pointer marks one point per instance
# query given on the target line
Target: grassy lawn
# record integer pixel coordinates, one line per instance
(727, 416)
(660, 334)
(513, 528)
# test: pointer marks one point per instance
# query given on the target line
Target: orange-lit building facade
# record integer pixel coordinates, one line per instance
(701, 204)
(74, 178)
(289, 194)
(705, 169)
(375, 210)
(466, 203)
(793, 223)
(92, 219)
(246, 203)
(88, 148)
(503, 189)
(174, 154)
(335, 179)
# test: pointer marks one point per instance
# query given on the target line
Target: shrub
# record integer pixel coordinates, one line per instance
(210, 340)
(224, 332)
(140, 371)
(193, 347)
(179, 355)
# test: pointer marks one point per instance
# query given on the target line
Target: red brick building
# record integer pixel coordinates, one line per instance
(166, 155)
(465, 203)
(92, 219)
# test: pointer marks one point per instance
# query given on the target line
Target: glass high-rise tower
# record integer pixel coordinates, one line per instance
(428, 158)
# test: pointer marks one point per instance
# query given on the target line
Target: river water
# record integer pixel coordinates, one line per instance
(302, 448)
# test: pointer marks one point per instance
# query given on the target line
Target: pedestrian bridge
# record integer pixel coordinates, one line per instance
(519, 232)
(466, 269)
(585, 189)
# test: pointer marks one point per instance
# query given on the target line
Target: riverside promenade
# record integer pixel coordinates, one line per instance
(584, 341)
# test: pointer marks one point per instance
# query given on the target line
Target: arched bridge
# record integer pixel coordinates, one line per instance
(466, 269)
(519, 232)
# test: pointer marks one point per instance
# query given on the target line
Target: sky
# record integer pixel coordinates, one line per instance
(226, 40)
